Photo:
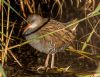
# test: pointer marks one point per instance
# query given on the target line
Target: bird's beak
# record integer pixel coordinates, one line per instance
(26, 28)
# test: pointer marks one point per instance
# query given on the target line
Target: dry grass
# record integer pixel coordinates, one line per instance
(87, 7)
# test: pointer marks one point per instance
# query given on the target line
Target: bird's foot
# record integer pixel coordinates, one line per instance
(53, 67)
(42, 68)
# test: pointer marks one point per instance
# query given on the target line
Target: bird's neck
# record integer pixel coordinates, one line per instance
(36, 26)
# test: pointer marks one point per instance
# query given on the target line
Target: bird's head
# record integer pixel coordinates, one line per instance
(34, 23)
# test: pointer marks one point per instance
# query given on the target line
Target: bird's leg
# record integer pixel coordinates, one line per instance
(46, 63)
(47, 60)
(52, 60)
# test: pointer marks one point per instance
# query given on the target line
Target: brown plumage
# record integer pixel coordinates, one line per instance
(52, 43)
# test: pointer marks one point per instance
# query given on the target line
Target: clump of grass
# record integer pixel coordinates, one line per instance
(7, 30)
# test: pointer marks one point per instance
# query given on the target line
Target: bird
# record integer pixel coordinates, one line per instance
(55, 41)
